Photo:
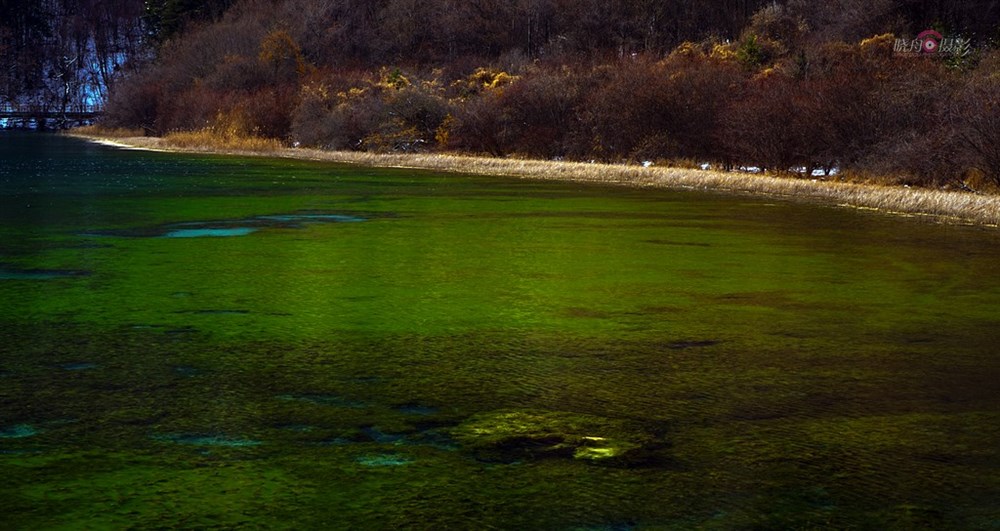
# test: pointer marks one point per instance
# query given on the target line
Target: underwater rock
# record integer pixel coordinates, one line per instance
(511, 436)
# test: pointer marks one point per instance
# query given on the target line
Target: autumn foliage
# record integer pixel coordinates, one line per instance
(776, 90)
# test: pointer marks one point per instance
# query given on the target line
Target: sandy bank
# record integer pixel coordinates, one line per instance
(938, 205)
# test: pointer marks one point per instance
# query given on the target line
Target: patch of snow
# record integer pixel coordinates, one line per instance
(823, 172)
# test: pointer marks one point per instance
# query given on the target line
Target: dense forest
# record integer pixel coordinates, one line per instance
(792, 86)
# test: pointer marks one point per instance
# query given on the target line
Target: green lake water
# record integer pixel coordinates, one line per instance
(222, 342)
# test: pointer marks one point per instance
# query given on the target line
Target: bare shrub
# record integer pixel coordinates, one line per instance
(539, 112)
(135, 104)
(975, 112)
(476, 126)
(665, 109)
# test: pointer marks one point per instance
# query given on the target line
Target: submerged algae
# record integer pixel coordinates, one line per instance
(509, 436)
(794, 368)
(207, 440)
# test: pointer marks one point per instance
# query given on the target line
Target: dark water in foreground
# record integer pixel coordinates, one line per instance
(209, 342)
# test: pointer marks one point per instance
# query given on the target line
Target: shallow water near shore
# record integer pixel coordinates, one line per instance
(194, 341)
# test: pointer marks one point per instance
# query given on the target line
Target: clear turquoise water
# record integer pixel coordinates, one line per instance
(220, 342)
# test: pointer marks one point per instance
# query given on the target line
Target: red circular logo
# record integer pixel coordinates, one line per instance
(929, 41)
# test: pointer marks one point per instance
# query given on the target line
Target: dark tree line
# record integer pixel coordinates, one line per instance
(65, 54)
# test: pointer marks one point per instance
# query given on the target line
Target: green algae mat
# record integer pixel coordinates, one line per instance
(228, 343)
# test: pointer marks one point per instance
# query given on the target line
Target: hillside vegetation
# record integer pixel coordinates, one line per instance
(794, 87)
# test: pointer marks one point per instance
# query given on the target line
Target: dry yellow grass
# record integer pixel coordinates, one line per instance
(207, 140)
(947, 206)
(107, 132)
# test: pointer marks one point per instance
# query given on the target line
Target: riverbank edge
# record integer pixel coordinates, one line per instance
(943, 206)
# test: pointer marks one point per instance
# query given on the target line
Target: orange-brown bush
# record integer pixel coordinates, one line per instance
(389, 113)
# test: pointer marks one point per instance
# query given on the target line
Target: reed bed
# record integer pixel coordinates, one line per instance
(208, 140)
(941, 205)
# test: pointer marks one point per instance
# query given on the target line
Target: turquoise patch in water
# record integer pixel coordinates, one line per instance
(19, 431)
(208, 440)
(384, 460)
(225, 228)
(38, 274)
(209, 233)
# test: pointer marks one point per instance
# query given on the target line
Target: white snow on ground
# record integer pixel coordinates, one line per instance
(818, 172)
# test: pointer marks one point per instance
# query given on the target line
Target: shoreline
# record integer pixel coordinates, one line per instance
(954, 207)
